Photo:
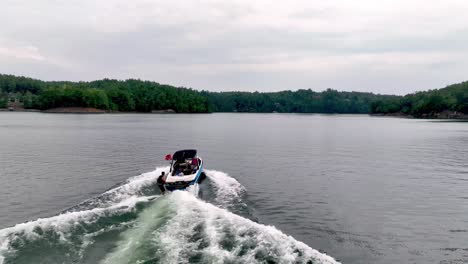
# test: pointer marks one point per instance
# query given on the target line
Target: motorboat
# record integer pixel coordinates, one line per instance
(186, 170)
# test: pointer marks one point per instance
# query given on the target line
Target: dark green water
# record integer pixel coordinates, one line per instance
(361, 189)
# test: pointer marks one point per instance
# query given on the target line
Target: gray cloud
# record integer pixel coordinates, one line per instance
(388, 47)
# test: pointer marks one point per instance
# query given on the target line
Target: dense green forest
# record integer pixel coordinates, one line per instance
(453, 98)
(3, 101)
(145, 96)
(301, 101)
(112, 95)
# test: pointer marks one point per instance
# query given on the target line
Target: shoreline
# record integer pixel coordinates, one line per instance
(450, 115)
(86, 110)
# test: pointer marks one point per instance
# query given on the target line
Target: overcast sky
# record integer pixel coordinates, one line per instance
(383, 46)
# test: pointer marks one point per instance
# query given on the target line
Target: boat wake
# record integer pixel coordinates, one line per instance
(132, 223)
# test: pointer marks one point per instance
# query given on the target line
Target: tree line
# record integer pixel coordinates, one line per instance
(113, 95)
(301, 101)
(145, 96)
(453, 98)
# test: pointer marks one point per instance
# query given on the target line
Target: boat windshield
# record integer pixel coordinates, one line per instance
(182, 155)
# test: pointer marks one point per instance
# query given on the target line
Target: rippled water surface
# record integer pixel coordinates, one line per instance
(280, 186)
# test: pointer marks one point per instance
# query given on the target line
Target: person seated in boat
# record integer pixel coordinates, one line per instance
(179, 172)
(194, 164)
(188, 171)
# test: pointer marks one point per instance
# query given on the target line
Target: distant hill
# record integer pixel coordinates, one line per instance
(111, 95)
(147, 96)
(301, 101)
(448, 102)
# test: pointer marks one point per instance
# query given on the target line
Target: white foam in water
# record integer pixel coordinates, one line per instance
(178, 227)
(124, 194)
(63, 222)
(227, 188)
(124, 198)
(134, 184)
(198, 231)
(249, 239)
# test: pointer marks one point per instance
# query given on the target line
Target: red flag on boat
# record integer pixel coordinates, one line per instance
(168, 157)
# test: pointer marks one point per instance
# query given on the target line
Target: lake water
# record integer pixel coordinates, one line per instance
(359, 189)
